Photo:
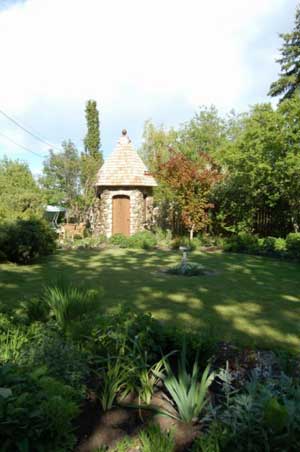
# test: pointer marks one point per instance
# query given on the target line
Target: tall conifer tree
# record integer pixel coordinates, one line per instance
(289, 78)
(91, 158)
(92, 142)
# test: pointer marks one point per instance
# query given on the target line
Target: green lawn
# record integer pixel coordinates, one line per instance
(250, 299)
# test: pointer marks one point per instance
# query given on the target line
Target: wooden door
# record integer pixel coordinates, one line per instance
(121, 215)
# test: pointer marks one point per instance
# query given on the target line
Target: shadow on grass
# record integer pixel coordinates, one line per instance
(249, 300)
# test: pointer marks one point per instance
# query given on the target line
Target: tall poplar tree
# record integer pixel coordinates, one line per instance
(92, 141)
(289, 78)
(91, 158)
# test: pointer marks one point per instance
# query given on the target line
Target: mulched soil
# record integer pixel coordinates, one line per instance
(95, 428)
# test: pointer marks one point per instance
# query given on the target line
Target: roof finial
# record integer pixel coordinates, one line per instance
(124, 139)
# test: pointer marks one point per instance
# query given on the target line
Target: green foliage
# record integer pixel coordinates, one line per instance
(189, 269)
(144, 240)
(153, 439)
(262, 416)
(163, 237)
(206, 131)
(41, 345)
(115, 377)
(268, 246)
(25, 240)
(141, 240)
(148, 379)
(63, 359)
(127, 355)
(210, 441)
(242, 243)
(156, 142)
(32, 310)
(124, 445)
(92, 142)
(20, 197)
(260, 172)
(280, 246)
(190, 183)
(3, 257)
(88, 242)
(293, 245)
(107, 340)
(12, 342)
(74, 309)
(60, 179)
(91, 159)
(119, 240)
(188, 393)
(288, 83)
(178, 241)
(36, 411)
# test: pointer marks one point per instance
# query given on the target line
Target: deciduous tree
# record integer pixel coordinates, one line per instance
(189, 183)
(20, 196)
(61, 176)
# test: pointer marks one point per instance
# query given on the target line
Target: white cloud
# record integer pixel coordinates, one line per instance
(126, 53)
(131, 56)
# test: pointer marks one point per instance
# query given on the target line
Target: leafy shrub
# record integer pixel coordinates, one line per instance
(3, 257)
(163, 237)
(36, 411)
(263, 415)
(63, 359)
(32, 310)
(293, 245)
(140, 240)
(280, 246)
(119, 240)
(89, 242)
(144, 240)
(42, 345)
(73, 309)
(267, 246)
(107, 340)
(25, 240)
(188, 393)
(153, 439)
(6, 323)
(212, 441)
(242, 243)
(177, 242)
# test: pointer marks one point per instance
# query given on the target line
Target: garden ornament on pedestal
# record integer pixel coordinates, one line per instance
(184, 250)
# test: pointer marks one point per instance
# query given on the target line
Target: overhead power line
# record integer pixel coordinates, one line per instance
(37, 137)
(21, 146)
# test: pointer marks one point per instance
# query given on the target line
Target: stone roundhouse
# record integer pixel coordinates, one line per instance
(124, 188)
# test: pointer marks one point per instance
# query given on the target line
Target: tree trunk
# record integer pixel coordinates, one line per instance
(191, 234)
(295, 224)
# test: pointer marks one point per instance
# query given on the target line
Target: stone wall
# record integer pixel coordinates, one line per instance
(141, 207)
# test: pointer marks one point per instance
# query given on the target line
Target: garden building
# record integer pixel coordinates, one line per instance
(124, 190)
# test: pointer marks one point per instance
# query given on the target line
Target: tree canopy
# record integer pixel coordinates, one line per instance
(92, 142)
(289, 78)
(20, 196)
(61, 176)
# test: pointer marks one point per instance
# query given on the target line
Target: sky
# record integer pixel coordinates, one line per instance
(139, 59)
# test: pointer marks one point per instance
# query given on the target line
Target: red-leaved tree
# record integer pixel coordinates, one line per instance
(190, 183)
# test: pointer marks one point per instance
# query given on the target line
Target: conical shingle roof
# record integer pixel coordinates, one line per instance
(124, 167)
